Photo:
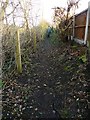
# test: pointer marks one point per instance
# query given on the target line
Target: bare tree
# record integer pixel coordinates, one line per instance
(25, 7)
(63, 17)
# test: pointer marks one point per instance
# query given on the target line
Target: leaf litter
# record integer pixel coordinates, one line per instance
(56, 76)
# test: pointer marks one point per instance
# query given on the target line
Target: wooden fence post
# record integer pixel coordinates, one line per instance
(1, 28)
(34, 39)
(18, 53)
(87, 26)
(88, 34)
(73, 26)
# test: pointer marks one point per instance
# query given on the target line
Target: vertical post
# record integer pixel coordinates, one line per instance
(1, 28)
(87, 24)
(1, 31)
(18, 53)
(42, 30)
(88, 34)
(73, 26)
(34, 40)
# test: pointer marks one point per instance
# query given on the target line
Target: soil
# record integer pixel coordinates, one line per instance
(53, 85)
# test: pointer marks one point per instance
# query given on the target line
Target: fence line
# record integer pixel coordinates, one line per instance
(80, 30)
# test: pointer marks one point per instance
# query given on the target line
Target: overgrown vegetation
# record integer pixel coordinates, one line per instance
(53, 72)
(54, 37)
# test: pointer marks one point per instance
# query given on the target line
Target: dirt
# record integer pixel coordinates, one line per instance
(53, 85)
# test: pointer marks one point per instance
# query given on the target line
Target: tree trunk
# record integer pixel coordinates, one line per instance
(87, 35)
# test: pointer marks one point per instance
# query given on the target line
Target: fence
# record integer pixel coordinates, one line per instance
(80, 32)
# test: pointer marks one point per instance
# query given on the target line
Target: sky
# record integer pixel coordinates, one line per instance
(47, 5)
(42, 9)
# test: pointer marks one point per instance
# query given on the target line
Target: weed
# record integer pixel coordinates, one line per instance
(83, 58)
(65, 113)
(67, 68)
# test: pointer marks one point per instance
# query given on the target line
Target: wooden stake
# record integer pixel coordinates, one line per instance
(18, 53)
(87, 39)
(34, 38)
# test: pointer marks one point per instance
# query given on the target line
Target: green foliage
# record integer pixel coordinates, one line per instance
(74, 47)
(67, 68)
(83, 58)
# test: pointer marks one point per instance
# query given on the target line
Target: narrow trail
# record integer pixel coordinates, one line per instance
(44, 94)
(53, 86)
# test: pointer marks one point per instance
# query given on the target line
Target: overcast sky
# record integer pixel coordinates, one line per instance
(43, 9)
(47, 5)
